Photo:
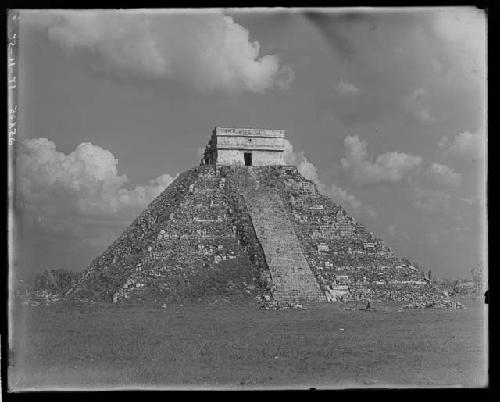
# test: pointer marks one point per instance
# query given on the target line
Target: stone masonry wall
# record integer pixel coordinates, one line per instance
(201, 247)
(248, 231)
(347, 259)
(290, 272)
(198, 251)
(228, 145)
(244, 225)
(235, 157)
(108, 271)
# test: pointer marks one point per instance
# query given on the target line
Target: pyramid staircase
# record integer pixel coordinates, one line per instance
(242, 231)
(290, 272)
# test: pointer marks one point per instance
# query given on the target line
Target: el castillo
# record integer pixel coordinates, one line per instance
(246, 198)
(242, 223)
(242, 275)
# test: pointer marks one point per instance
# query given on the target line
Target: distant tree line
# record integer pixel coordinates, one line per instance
(55, 281)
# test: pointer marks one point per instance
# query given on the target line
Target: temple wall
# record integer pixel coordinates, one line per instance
(259, 158)
(249, 132)
(228, 145)
(230, 157)
(251, 143)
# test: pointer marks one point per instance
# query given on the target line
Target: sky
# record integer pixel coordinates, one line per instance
(385, 109)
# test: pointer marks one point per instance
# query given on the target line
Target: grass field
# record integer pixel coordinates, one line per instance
(223, 346)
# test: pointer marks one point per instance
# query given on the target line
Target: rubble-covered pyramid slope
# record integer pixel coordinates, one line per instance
(249, 231)
(291, 276)
(348, 261)
(194, 240)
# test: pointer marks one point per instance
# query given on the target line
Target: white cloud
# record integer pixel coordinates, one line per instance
(305, 168)
(77, 202)
(345, 88)
(430, 200)
(351, 202)
(387, 167)
(465, 145)
(86, 181)
(140, 196)
(208, 50)
(309, 171)
(444, 175)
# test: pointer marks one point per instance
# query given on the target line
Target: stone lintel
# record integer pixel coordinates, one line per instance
(248, 132)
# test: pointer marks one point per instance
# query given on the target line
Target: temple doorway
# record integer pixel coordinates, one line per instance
(248, 158)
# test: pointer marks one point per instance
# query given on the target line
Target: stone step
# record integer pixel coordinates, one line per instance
(290, 272)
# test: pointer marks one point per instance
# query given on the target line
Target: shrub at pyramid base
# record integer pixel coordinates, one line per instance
(244, 232)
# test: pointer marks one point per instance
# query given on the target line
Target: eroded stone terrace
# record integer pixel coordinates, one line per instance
(201, 244)
(342, 253)
(111, 269)
(198, 238)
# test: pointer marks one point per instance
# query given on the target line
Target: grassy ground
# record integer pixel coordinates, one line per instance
(215, 346)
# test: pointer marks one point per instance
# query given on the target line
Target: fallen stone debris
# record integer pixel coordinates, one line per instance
(439, 304)
(194, 241)
(284, 305)
(38, 297)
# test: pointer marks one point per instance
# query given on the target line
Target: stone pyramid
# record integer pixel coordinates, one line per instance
(247, 231)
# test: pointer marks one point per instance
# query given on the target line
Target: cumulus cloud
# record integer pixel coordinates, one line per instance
(309, 171)
(465, 145)
(444, 175)
(345, 88)
(305, 168)
(74, 204)
(85, 181)
(430, 200)
(387, 167)
(209, 50)
(352, 203)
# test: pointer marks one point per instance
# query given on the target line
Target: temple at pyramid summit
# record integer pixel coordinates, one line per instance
(245, 147)
(245, 225)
